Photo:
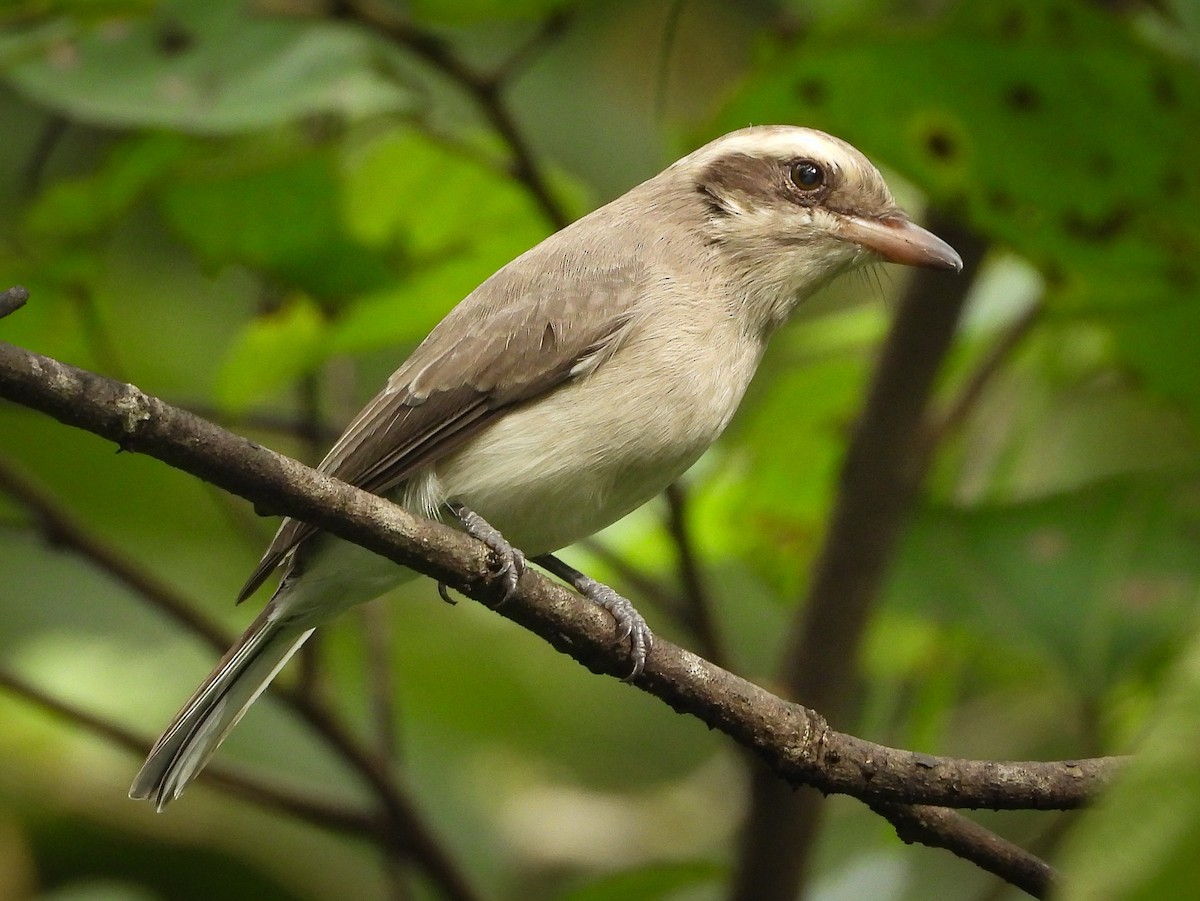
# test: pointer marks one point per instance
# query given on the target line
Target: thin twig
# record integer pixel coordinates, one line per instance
(939, 827)
(12, 300)
(377, 640)
(48, 138)
(485, 89)
(699, 607)
(375, 619)
(949, 420)
(64, 530)
(644, 585)
(670, 32)
(553, 27)
(328, 815)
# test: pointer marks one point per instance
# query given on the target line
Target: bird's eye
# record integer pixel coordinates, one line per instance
(807, 175)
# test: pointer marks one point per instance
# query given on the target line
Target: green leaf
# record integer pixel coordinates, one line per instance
(651, 883)
(84, 205)
(466, 12)
(1094, 582)
(210, 68)
(1141, 841)
(277, 211)
(272, 351)
(455, 219)
(1052, 127)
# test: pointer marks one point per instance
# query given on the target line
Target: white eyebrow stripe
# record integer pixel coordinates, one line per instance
(780, 143)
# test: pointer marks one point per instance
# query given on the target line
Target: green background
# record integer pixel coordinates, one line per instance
(255, 210)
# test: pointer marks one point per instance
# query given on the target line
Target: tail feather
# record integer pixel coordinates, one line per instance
(221, 700)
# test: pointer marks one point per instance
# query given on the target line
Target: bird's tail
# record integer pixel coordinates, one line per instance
(199, 728)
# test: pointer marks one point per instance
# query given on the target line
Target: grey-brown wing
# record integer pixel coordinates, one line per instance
(511, 340)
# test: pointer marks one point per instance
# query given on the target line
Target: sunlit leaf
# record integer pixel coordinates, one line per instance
(456, 219)
(272, 352)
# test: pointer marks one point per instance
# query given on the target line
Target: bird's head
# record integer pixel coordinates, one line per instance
(794, 207)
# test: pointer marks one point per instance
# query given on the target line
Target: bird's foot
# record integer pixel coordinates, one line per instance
(630, 624)
(508, 563)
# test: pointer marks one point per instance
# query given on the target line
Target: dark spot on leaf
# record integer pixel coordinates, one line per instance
(1173, 183)
(1164, 91)
(1054, 275)
(1062, 23)
(940, 145)
(1023, 98)
(1101, 164)
(1013, 25)
(1101, 229)
(173, 39)
(1181, 275)
(1000, 200)
(811, 91)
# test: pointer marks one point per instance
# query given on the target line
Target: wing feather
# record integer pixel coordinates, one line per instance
(520, 334)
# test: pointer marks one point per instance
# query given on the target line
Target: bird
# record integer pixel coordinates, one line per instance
(571, 387)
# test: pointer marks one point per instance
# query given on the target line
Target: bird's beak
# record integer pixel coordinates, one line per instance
(898, 239)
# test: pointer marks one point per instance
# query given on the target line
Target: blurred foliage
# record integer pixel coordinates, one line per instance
(256, 209)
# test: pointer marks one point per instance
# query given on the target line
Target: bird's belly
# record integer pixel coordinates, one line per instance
(566, 466)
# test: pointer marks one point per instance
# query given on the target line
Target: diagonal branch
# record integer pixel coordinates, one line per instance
(485, 89)
(885, 465)
(402, 830)
(12, 300)
(312, 810)
(698, 612)
(795, 742)
(61, 529)
(939, 827)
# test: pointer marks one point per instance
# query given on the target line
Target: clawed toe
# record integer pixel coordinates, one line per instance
(631, 626)
(507, 563)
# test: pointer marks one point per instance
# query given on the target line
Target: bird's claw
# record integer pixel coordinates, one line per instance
(631, 626)
(507, 563)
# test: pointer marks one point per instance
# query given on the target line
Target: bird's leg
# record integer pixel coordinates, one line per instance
(630, 623)
(510, 562)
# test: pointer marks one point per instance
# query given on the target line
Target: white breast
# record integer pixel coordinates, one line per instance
(578, 459)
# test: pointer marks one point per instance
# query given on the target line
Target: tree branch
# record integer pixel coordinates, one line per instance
(321, 813)
(939, 827)
(795, 742)
(698, 612)
(12, 300)
(401, 829)
(943, 423)
(884, 466)
(485, 89)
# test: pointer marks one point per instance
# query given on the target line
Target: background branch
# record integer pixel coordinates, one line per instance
(938, 827)
(485, 89)
(885, 464)
(12, 299)
(400, 830)
(321, 813)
